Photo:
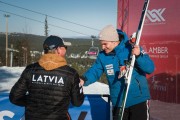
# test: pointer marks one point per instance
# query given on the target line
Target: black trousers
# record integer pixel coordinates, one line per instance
(136, 112)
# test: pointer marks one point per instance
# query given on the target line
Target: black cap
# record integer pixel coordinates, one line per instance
(53, 42)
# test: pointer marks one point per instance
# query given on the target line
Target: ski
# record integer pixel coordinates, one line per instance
(129, 67)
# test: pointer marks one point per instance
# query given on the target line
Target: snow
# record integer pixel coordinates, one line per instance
(8, 76)
(158, 110)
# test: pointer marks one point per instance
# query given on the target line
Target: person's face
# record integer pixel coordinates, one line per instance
(61, 51)
(108, 46)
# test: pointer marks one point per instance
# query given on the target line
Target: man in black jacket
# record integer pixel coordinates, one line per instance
(47, 87)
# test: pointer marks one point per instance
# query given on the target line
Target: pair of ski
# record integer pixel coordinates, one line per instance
(129, 67)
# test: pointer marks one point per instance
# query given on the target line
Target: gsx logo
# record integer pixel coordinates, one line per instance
(155, 15)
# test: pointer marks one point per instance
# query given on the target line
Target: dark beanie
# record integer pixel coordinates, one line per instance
(53, 42)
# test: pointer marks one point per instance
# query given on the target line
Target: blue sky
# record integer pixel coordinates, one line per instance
(93, 14)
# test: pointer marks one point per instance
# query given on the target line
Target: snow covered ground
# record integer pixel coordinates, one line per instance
(159, 110)
(8, 76)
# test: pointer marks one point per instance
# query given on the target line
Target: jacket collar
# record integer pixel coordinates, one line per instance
(51, 61)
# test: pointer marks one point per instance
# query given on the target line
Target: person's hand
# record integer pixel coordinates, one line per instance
(81, 82)
(136, 50)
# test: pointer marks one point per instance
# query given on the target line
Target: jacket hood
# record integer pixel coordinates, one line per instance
(125, 38)
(51, 61)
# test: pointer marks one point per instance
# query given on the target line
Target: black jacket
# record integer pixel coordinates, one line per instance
(46, 94)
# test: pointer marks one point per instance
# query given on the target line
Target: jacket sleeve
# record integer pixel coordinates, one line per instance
(18, 92)
(94, 73)
(77, 95)
(145, 63)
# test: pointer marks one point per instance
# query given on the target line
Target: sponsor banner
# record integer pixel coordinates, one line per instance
(160, 40)
(9, 111)
(95, 107)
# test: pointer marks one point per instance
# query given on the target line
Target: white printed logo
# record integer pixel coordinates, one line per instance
(48, 80)
(110, 72)
(155, 15)
(156, 51)
(109, 69)
(6, 113)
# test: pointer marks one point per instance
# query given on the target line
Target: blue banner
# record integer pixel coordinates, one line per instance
(95, 107)
(9, 111)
